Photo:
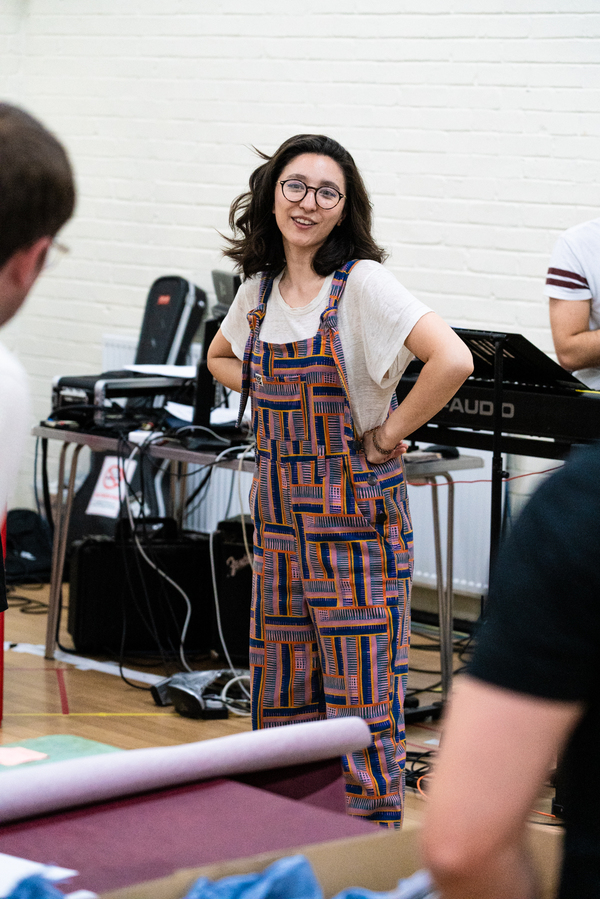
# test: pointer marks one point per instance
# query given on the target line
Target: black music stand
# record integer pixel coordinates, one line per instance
(500, 357)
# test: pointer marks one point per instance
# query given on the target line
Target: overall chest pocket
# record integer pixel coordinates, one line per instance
(280, 408)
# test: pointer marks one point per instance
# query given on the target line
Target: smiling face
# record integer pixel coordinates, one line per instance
(304, 225)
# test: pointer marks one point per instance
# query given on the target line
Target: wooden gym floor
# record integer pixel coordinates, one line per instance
(44, 697)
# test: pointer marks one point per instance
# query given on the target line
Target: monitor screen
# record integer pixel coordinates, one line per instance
(226, 286)
(204, 398)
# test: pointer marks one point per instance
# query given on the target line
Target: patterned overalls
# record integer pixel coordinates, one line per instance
(332, 559)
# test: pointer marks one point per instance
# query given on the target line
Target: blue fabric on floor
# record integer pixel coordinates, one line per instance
(288, 878)
(35, 887)
(418, 886)
(293, 878)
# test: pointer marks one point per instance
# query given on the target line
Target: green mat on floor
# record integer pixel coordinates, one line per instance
(59, 747)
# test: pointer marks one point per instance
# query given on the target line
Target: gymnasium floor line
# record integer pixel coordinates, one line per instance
(87, 714)
(84, 664)
(62, 690)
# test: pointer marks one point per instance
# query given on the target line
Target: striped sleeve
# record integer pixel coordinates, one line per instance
(566, 278)
(560, 277)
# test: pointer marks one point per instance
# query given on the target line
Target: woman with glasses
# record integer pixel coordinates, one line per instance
(318, 336)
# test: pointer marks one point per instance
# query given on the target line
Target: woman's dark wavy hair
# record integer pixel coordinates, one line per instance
(257, 245)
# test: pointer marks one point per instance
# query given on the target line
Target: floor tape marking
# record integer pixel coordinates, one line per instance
(84, 664)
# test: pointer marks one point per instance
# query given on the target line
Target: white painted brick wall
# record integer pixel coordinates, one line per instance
(476, 124)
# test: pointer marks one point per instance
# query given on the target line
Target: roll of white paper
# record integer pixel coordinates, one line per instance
(57, 785)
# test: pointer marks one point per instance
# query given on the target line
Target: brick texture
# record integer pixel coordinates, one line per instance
(476, 125)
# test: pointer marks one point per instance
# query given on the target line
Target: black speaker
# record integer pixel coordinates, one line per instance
(234, 589)
(118, 602)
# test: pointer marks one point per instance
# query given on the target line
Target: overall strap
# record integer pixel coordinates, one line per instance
(255, 317)
(329, 321)
(337, 287)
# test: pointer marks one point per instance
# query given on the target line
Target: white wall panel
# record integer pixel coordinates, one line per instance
(476, 124)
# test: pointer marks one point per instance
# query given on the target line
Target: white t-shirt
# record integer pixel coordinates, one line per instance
(574, 274)
(375, 316)
(15, 422)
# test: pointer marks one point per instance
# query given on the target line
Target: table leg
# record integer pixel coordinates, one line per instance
(55, 578)
(439, 575)
(445, 591)
(59, 545)
(447, 630)
(173, 487)
(182, 484)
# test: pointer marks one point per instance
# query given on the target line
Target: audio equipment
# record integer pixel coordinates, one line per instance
(234, 589)
(117, 602)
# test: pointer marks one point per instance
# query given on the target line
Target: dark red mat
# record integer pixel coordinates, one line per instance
(127, 841)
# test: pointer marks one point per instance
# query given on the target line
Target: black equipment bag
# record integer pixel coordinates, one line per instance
(119, 603)
(28, 548)
(173, 313)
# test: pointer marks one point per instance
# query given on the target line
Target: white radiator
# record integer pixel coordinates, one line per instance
(471, 501)
(472, 508)
(119, 350)
(222, 500)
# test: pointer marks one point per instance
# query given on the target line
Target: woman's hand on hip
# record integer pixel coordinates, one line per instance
(374, 453)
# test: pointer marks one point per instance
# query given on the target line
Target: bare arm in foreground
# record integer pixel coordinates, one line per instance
(497, 749)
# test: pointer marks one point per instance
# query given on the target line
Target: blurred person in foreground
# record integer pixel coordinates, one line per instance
(532, 691)
(37, 197)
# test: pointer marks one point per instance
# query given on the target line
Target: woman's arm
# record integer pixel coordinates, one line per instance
(223, 364)
(447, 363)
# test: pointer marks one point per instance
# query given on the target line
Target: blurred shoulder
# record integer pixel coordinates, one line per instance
(10, 368)
(583, 232)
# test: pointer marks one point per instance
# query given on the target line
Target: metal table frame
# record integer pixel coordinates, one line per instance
(416, 472)
(428, 472)
(64, 500)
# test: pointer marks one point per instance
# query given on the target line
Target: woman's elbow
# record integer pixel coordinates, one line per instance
(213, 360)
(460, 364)
(210, 363)
(466, 362)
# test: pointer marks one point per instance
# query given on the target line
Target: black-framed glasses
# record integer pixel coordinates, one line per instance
(325, 197)
(56, 252)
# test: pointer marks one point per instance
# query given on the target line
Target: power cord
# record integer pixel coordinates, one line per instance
(156, 568)
(192, 428)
